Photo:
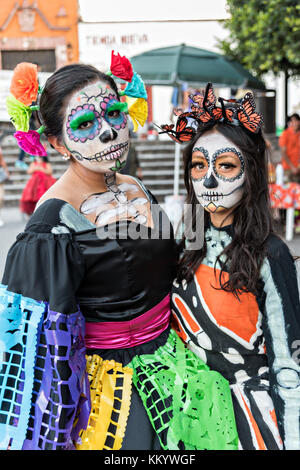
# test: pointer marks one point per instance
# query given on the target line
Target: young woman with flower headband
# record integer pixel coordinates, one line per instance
(235, 298)
(90, 359)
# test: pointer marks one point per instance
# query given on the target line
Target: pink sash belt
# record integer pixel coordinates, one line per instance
(126, 334)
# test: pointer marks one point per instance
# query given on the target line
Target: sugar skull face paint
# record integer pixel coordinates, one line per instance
(96, 129)
(217, 172)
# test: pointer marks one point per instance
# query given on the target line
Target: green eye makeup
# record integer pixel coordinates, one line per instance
(86, 117)
(118, 106)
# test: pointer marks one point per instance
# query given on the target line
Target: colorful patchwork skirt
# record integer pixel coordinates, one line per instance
(56, 394)
(188, 405)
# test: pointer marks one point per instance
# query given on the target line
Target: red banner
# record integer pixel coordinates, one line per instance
(284, 197)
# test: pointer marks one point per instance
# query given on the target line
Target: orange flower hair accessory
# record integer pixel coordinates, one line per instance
(24, 85)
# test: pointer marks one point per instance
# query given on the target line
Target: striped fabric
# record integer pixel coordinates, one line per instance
(249, 341)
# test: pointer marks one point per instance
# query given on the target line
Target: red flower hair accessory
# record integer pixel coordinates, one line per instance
(121, 67)
(24, 84)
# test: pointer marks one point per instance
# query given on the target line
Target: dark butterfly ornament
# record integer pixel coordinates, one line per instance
(204, 110)
(183, 132)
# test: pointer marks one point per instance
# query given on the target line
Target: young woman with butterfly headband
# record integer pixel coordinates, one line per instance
(90, 359)
(235, 297)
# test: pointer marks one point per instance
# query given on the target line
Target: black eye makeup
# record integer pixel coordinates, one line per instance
(199, 164)
(199, 168)
(228, 165)
(224, 166)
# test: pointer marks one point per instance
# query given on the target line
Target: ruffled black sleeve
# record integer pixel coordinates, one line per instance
(45, 267)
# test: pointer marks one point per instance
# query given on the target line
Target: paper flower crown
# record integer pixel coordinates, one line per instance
(24, 91)
(204, 110)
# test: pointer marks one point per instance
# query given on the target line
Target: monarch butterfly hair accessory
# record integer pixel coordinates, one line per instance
(24, 89)
(135, 92)
(204, 110)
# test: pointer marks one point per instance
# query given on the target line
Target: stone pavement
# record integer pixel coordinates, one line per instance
(15, 223)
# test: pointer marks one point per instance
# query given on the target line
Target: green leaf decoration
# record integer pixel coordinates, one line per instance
(19, 113)
(119, 165)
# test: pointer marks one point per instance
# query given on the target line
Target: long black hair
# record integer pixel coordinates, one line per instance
(59, 86)
(252, 222)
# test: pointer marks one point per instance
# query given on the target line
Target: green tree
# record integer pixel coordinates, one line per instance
(264, 36)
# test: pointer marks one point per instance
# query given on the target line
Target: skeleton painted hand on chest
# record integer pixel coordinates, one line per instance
(116, 203)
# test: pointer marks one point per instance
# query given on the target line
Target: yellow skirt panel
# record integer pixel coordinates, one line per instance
(110, 388)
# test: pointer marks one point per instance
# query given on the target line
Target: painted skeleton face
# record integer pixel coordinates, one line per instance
(217, 172)
(95, 129)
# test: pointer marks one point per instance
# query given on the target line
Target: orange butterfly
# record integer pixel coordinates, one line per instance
(183, 132)
(204, 116)
(210, 97)
(167, 127)
(204, 110)
(219, 113)
(223, 112)
(247, 116)
(229, 114)
(206, 101)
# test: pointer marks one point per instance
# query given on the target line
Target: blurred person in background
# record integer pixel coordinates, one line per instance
(152, 133)
(4, 175)
(289, 142)
(37, 185)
